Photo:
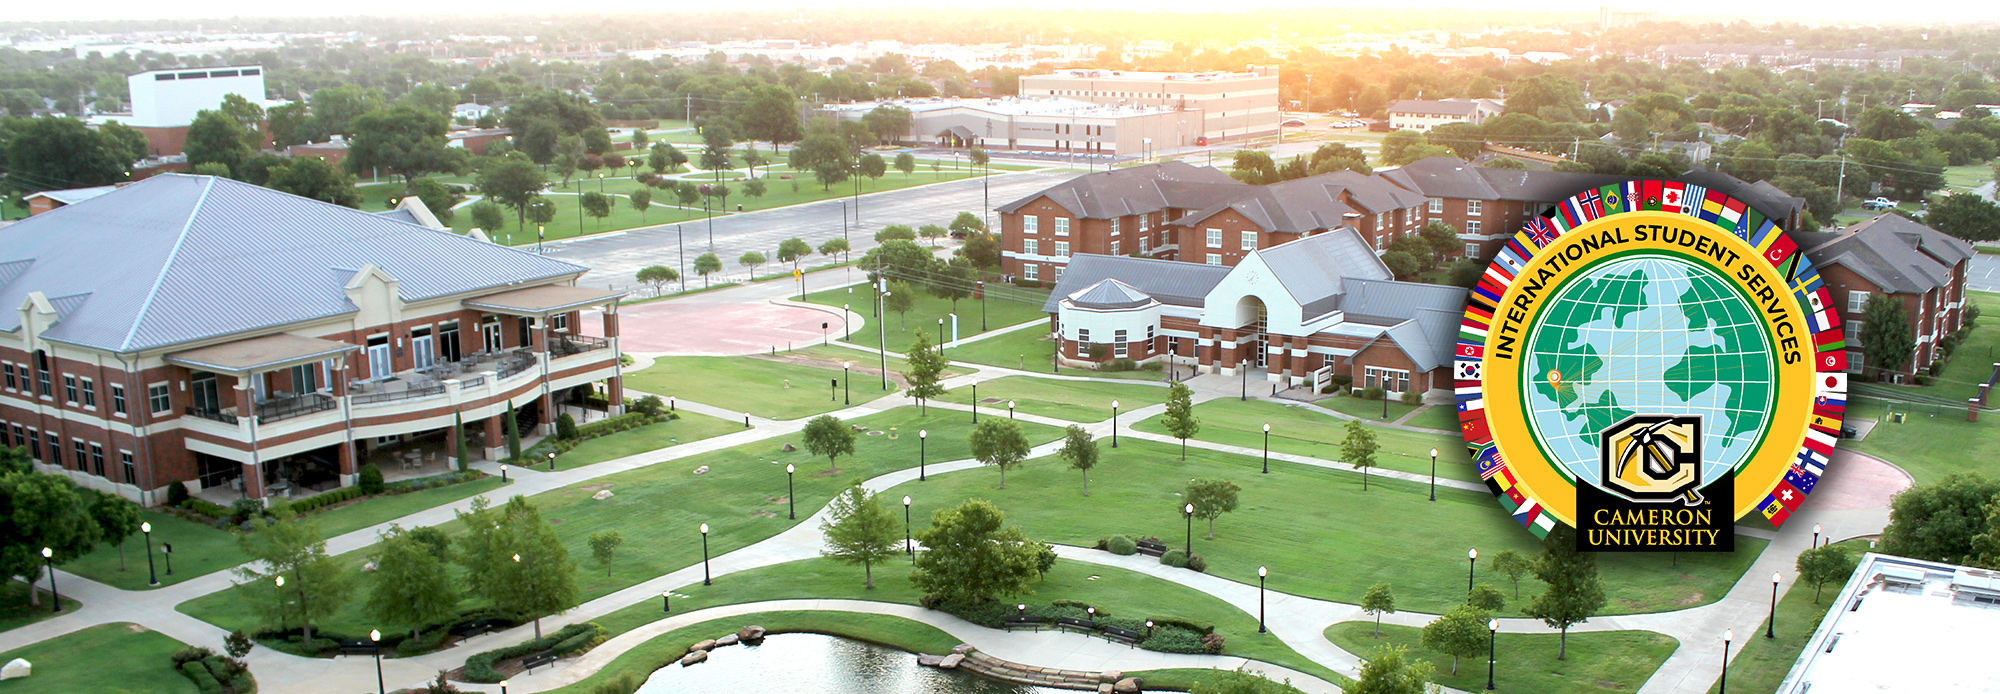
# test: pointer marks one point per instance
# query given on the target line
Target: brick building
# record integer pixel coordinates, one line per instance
(201, 331)
(1422, 115)
(1891, 255)
(1297, 313)
(1228, 106)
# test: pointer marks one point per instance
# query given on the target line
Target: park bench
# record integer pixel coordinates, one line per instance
(358, 647)
(1152, 549)
(541, 659)
(472, 628)
(1124, 636)
(1074, 623)
(1033, 621)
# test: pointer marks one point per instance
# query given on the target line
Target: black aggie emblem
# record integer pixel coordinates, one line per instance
(1652, 496)
(1652, 457)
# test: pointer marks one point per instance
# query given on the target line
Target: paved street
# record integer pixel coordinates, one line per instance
(1984, 275)
(614, 257)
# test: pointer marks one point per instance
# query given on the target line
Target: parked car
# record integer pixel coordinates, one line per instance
(1848, 432)
(1878, 204)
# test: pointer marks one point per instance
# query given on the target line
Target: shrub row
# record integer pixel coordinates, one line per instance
(214, 674)
(217, 512)
(624, 422)
(570, 639)
(429, 637)
(1170, 634)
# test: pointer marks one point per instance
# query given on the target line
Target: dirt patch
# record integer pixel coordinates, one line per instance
(776, 499)
(858, 371)
(763, 514)
(827, 472)
(594, 488)
(135, 629)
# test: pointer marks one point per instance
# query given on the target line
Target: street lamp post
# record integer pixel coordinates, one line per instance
(791, 504)
(1434, 474)
(375, 636)
(503, 686)
(1010, 409)
(666, 601)
(975, 403)
(1267, 448)
(167, 554)
(981, 287)
(280, 593)
(908, 548)
(1727, 636)
(1190, 529)
(49, 556)
(1771, 627)
(1261, 573)
(152, 579)
(1114, 424)
(705, 579)
(882, 337)
(846, 392)
(1492, 649)
(923, 451)
(1815, 542)
(1471, 561)
(552, 461)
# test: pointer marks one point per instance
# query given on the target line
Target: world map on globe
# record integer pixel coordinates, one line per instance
(1648, 334)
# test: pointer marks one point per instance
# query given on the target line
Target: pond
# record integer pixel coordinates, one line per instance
(820, 663)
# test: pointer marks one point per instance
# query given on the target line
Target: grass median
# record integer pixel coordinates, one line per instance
(1302, 431)
(116, 658)
(1598, 661)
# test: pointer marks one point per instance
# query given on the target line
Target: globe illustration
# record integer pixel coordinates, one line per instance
(1647, 334)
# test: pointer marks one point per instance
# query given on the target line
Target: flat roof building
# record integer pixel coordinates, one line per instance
(1904, 625)
(171, 98)
(1233, 105)
(1039, 124)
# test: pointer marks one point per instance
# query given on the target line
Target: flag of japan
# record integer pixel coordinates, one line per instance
(1831, 384)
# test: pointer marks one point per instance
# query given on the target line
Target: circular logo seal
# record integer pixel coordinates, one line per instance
(1647, 362)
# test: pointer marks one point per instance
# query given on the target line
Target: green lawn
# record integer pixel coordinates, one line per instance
(870, 363)
(565, 224)
(634, 666)
(382, 509)
(1760, 663)
(105, 659)
(689, 428)
(198, 549)
(657, 508)
(1319, 533)
(926, 310)
(1600, 661)
(1927, 444)
(1968, 176)
(1440, 417)
(1076, 401)
(1115, 592)
(1301, 431)
(16, 612)
(1029, 349)
(750, 384)
(1370, 410)
(1972, 363)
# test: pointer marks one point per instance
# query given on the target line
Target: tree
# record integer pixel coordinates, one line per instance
(833, 246)
(116, 520)
(641, 198)
(1212, 497)
(514, 181)
(486, 215)
(291, 124)
(412, 584)
(755, 188)
(900, 300)
(1402, 264)
(215, 138)
(597, 205)
(828, 436)
(952, 281)
(859, 530)
(719, 191)
(895, 232)
(1358, 448)
(1179, 417)
(567, 157)
(981, 248)
(664, 156)
(826, 155)
(1487, 598)
(1825, 564)
(753, 158)
(438, 198)
(872, 166)
(1396, 146)
(50, 153)
(1254, 167)
(1511, 564)
(932, 232)
(926, 370)
(752, 259)
(42, 511)
(312, 177)
(1547, 96)
(905, 163)
(770, 113)
(1378, 601)
(793, 250)
(1886, 338)
(513, 423)
(1417, 248)
(1443, 240)
(515, 561)
(1575, 591)
(1391, 671)
(404, 141)
(604, 547)
(1965, 215)
(707, 264)
(1080, 451)
(688, 193)
(970, 554)
(1334, 156)
(1460, 633)
(316, 585)
(338, 107)
(1000, 443)
(658, 276)
(888, 123)
(541, 211)
(1938, 521)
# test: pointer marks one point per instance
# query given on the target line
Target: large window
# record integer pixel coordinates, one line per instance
(1214, 238)
(69, 389)
(1031, 246)
(1031, 224)
(1436, 206)
(1114, 246)
(1062, 226)
(34, 444)
(1114, 226)
(1118, 348)
(1082, 342)
(8, 367)
(1471, 250)
(117, 399)
(42, 373)
(1392, 380)
(89, 393)
(1856, 302)
(97, 460)
(131, 471)
(1474, 208)
(157, 399)
(55, 449)
(1472, 226)
(82, 455)
(1062, 249)
(1249, 240)
(1031, 271)
(1215, 259)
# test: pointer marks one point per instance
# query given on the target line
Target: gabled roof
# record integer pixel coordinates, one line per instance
(1168, 281)
(1895, 254)
(1763, 196)
(1312, 269)
(1310, 204)
(1109, 294)
(1422, 319)
(176, 258)
(73, 196)
(1137, 190)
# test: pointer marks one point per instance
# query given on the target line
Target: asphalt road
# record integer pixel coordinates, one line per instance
(1984, 273)
(614, 258)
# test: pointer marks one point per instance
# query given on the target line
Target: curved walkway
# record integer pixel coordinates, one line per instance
(1298, 621)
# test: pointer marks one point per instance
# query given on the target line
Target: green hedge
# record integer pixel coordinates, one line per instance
(203, 680)
(539, 453)
(317, 501)
(570, 639)
(212, 510)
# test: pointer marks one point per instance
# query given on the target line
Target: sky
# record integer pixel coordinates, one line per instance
(1810, 11)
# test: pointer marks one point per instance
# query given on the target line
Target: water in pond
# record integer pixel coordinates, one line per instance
(820, 664)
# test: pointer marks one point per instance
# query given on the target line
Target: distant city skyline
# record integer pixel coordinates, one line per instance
(1826, 11)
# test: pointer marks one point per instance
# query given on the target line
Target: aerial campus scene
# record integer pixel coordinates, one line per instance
(1004, 348)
